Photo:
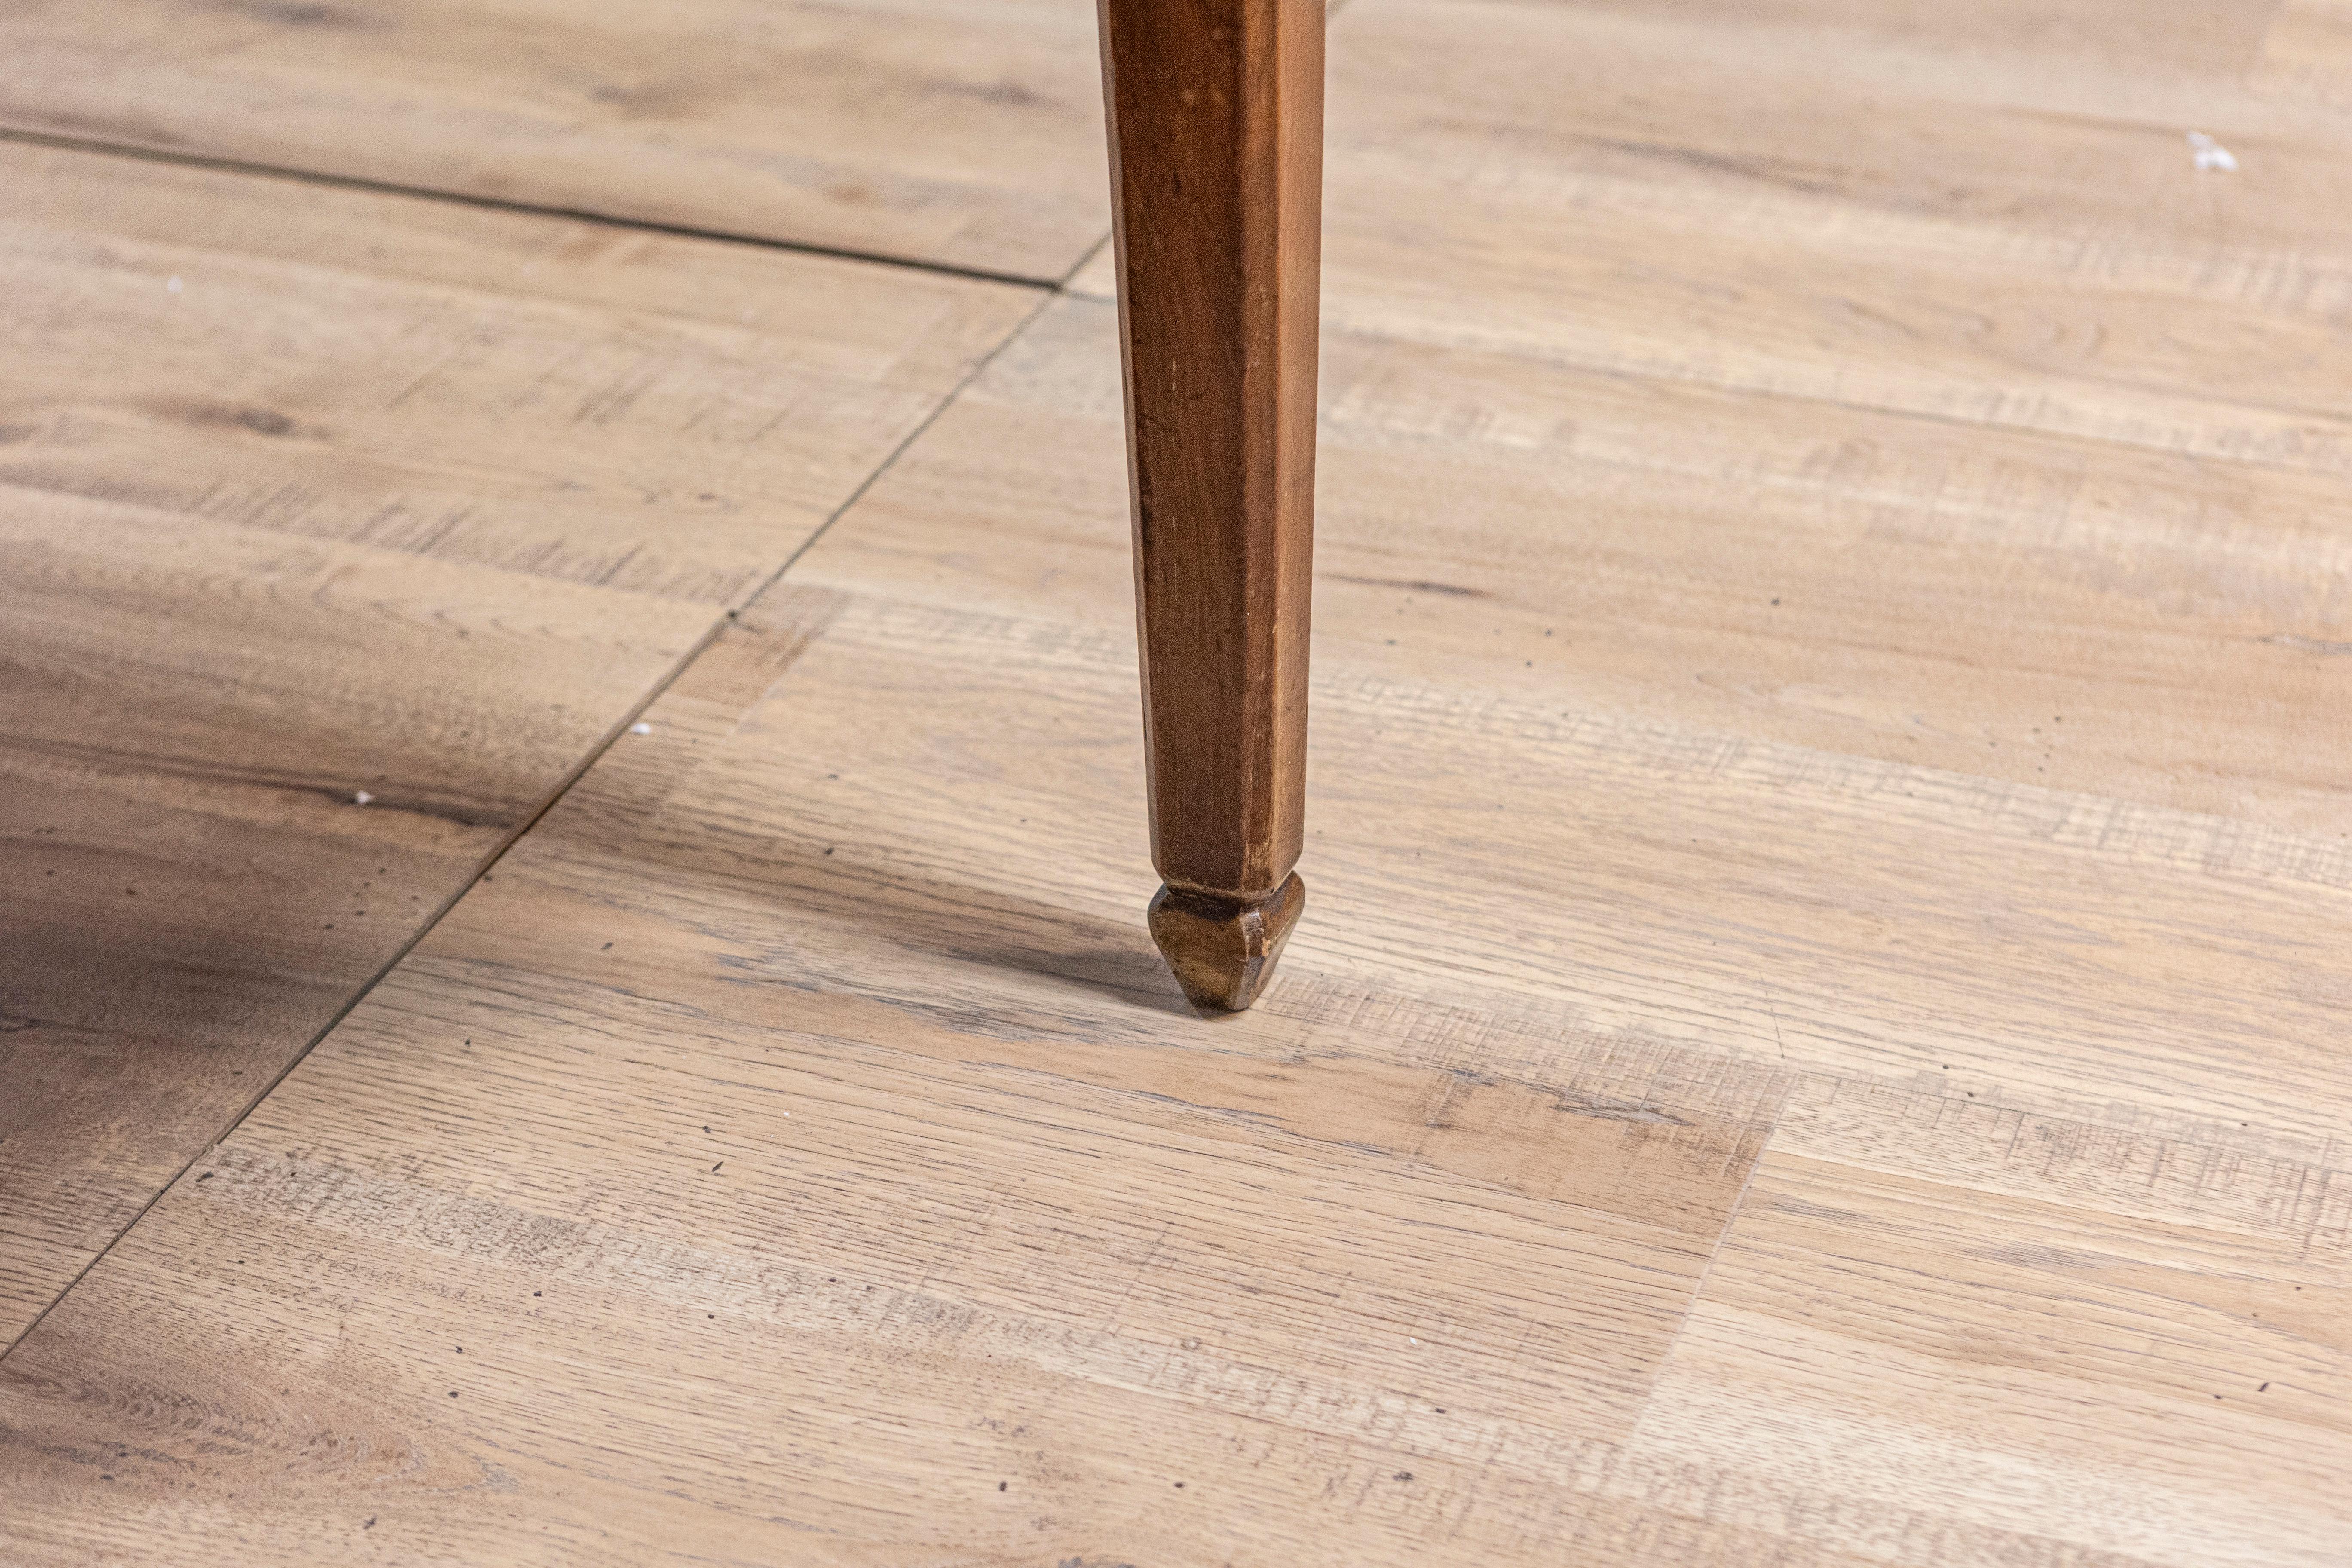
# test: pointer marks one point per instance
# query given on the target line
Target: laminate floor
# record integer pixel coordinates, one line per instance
(310, 498)
(961, 132)
(1815, 1038)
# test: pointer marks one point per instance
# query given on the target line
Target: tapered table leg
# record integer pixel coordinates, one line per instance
(1216, 129)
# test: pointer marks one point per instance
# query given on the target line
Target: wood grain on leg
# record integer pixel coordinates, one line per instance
(1217, 112)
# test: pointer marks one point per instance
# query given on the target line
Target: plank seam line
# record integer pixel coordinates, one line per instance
(1698, 1286)
(25, 137)
(490, 861)
(979, 368)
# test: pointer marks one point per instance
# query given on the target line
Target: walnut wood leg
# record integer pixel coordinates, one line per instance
(1216, 129)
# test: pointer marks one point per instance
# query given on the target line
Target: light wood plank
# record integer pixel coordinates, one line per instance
(1702, 755)
(2300, 1205)
(2307, 52)
(300, 499)
(558, 397)
(194, 711)
(870, 889)
(751, 1161)
(965, 132)
(1935, 1375)
(1986, 213)
(2034, 769)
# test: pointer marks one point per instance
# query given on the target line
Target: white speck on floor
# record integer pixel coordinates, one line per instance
(641, 728)
(174, 284)
(2210, 155)
(361, 799)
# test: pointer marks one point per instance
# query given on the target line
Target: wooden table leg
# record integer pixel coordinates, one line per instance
(1216, 129)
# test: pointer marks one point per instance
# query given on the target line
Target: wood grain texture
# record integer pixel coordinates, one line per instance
(556, 397)
(1216, 116)
(966, 134)
(1935, 1374)
(299, 498)
(808, 1062)
(738, 1137)
(1986, 213)
(1819, 1042)
(192, 711)
(1976, 742)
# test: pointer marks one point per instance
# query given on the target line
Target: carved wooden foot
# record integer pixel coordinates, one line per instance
(1224, 949)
